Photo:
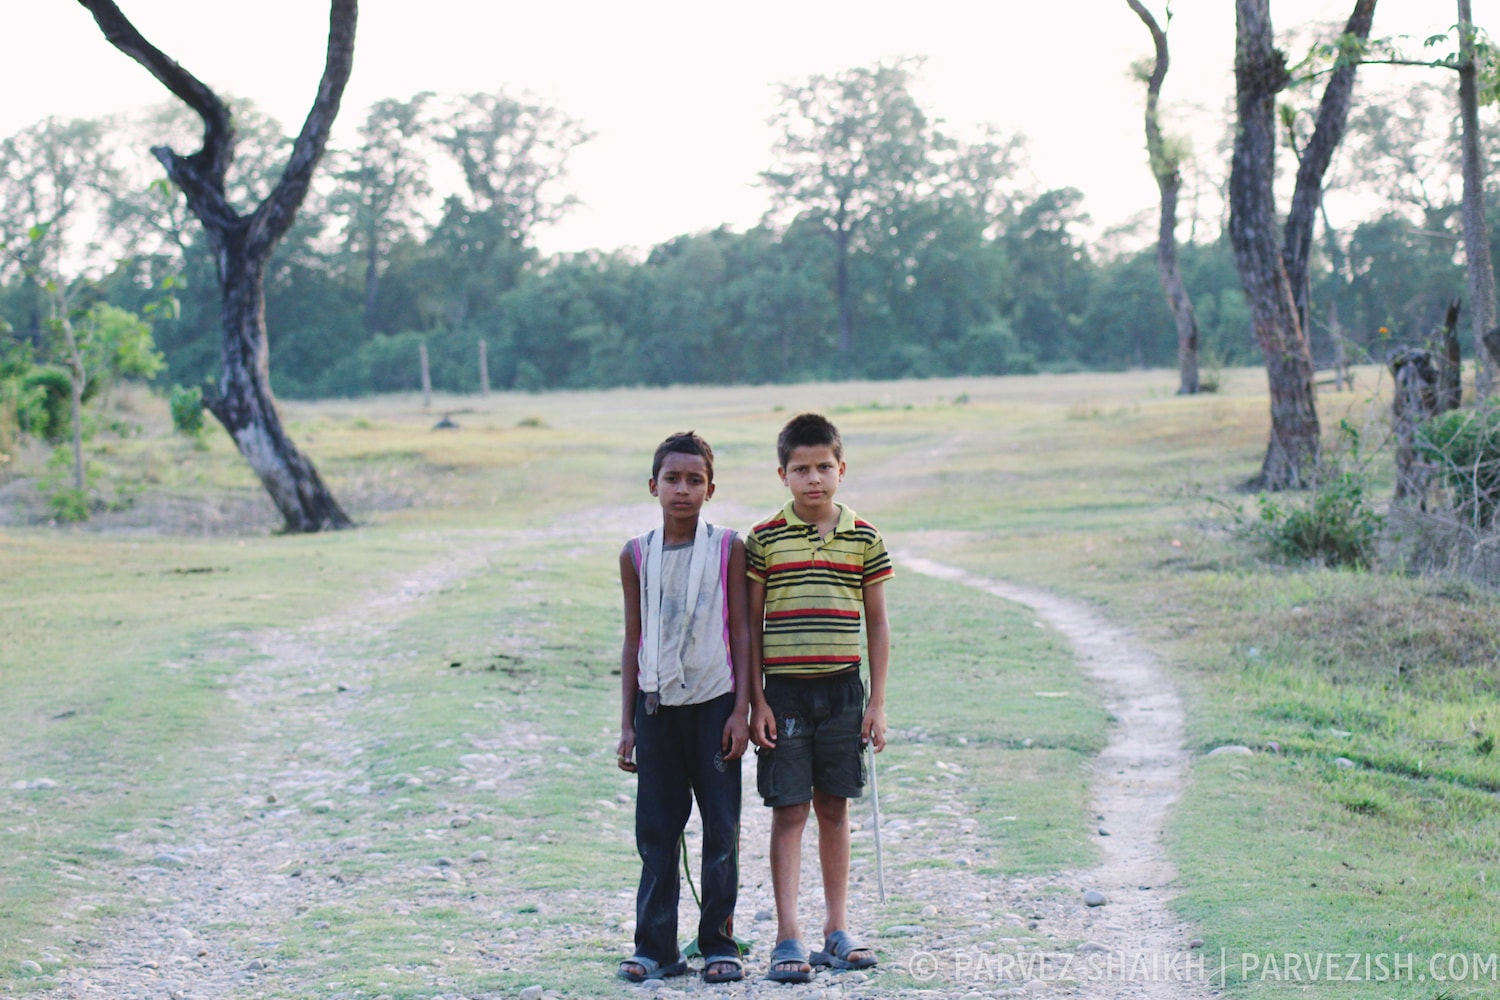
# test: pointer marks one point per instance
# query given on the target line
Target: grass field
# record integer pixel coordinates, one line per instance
(433, 694)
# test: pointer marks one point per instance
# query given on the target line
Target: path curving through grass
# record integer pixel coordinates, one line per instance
(1137, 778)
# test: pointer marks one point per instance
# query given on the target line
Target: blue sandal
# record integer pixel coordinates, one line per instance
(836, 951)
(789, 952)
(731, 969)
(652, 969)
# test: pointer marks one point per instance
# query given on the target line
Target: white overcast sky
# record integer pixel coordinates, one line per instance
(678, 92)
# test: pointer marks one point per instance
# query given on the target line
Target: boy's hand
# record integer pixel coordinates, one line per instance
(872, 729)
(625, 752)
(762, 724)
(736, 736)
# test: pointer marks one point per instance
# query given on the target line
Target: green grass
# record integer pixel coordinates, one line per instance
(121, 648)
(1284, 852)
(965, 692)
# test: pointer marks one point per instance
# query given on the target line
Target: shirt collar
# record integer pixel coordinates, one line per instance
(846, 517)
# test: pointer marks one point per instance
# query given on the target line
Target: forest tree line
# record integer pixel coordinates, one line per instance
(933, 255)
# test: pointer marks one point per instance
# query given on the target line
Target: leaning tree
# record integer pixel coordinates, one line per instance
(1274, 273)
(1166, 159)
(242, 244)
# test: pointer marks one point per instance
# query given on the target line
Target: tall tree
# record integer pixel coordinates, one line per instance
(1275, 276)
(852, 148)
(1477, 257)
(382, 186)
(50, 174)
(1481, 270)
(513, 152)
(242, 245)
(1048, 281)
(1165, 167)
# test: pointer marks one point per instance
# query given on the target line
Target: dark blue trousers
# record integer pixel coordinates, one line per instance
(679, 755)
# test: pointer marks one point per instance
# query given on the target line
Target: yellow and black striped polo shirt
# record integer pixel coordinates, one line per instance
(814, 590)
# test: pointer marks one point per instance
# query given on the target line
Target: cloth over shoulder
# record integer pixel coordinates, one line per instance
(684, 653)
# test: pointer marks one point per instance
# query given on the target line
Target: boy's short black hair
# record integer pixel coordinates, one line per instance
(808, 430)
(683, 443)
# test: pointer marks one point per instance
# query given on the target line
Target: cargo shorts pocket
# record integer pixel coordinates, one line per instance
(765, 761)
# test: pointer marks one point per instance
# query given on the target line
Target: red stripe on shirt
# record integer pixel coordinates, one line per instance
(816, 564)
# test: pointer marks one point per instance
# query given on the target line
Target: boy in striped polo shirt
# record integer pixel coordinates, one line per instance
(815, 571)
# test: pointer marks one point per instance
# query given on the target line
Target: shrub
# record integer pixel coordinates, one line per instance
(50, 415)
(187, 411)
(1463, 449)
(529, 377)
(1335, 526)
(69, 504)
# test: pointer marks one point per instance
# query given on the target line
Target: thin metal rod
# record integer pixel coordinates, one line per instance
(875, 802)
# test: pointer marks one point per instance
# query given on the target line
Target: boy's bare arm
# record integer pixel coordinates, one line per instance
(762, 722)
(630, 588)
(878, 643)
(737, 729)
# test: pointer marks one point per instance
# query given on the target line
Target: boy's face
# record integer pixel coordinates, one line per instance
(682, 485)
(813, 474)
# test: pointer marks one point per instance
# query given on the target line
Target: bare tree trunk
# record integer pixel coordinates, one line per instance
(1341, 378)
(242, 244)
(1450, 370)
(1177, 294)
(1480, 269)
(1260, 74)
(1413, 404)
(1164, 167)
(76, 384)
(247, 409)
(426, 376)
(484, 369)
(372, 284)
(841, 239)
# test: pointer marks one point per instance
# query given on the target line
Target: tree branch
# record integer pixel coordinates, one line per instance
(1333, 117)
(201, 174)
(1421, 64)
(275, 215)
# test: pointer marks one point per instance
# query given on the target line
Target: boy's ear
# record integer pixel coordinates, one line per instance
(651, 485)
(781, 471)
(710, 494)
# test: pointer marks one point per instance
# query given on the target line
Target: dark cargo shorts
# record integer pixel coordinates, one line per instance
(817, 740)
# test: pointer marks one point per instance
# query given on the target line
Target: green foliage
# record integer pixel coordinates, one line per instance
(186, 405)
(1335, 524)
(117, 344)
(1464, 447)
(44, 401)
(958, 265)
(19, 399)
(67, 502)
(68, 505)
(113, 343)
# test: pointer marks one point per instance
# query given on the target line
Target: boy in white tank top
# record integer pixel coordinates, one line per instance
(684, 723)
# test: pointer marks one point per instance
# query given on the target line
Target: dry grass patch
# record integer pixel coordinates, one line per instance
(1438, 639)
